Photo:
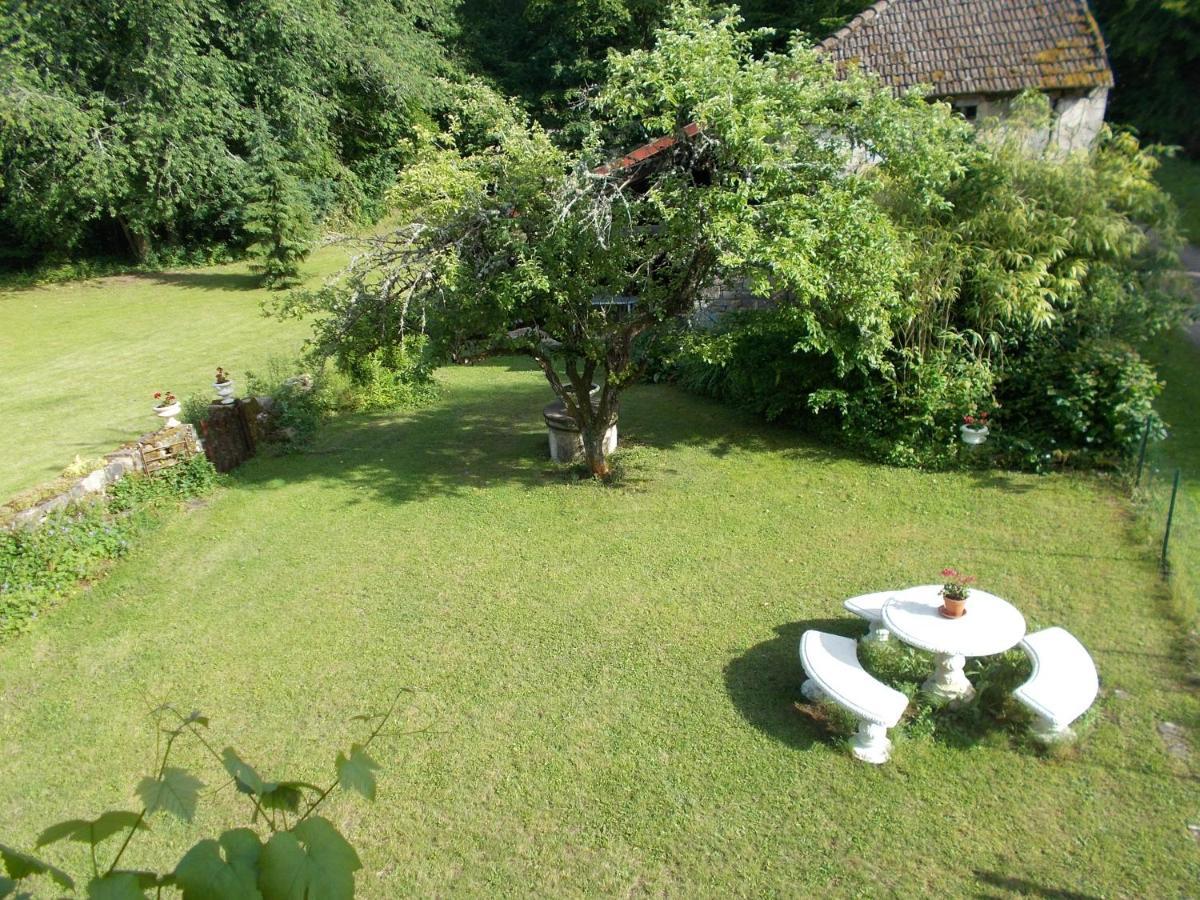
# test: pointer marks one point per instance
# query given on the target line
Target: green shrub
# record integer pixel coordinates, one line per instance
(300, 402)
(390, 377)
(39, 564)
(1086, 404)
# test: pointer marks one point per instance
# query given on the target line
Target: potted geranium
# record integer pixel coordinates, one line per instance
(166, 407)
(974, 428)
(955, 588)
(224, 386)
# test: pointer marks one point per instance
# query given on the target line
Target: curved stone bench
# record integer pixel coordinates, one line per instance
(1063, 686)
(834, 673)
(870, 607)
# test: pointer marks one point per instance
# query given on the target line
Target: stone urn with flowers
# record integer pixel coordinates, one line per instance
(974, 428)
(166, 407)
(223, 385)
(955, 588)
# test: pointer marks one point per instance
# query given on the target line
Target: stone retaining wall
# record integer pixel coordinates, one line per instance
(130, 458)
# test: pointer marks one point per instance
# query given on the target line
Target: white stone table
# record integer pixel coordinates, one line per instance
(989, 626)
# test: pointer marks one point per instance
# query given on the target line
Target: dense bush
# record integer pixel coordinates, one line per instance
(390, 377)
(1030, 280)
(305, 393)
(39, 564)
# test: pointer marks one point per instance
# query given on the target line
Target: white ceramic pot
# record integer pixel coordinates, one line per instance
(224, 390)
(168, 414)
(973, 434)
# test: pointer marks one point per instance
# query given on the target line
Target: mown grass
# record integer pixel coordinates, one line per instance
(80, 361)
(1180, 177)
(1178, 362)
(610, 674)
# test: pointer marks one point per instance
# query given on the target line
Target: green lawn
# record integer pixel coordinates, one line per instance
(80, 362)
(1178, 362)
(611, 673)
(1181, 179)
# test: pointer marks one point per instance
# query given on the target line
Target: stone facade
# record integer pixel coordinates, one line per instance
(722, 297)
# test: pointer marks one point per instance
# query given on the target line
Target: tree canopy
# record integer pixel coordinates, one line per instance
(127, 124)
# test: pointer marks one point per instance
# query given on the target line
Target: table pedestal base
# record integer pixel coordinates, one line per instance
(948, 681)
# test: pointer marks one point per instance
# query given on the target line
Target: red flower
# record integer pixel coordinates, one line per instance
(949, 573)
(157, 395)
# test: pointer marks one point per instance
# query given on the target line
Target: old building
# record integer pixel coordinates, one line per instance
(979, 54)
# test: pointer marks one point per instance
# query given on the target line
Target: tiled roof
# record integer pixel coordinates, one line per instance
(976, 46)
(646, 151)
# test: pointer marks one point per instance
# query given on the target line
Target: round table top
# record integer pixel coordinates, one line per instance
(989, 626)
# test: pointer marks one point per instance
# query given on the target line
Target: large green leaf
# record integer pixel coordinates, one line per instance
(248, 780)
(312, 860)
(93, 831)
(175, 792)
(357, 773)
(224, 870)
(115, 886)
(21, 865)
(284, 795)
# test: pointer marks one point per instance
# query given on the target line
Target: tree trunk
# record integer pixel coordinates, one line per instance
(593, 450)
(139, 246)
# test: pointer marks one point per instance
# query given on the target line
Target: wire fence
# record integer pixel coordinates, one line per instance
(1167, 498)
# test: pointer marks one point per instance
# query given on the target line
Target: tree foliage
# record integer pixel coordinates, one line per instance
(518, 246)
(918, 269)
(1029, 282)
(1154, 46)
(129, 124)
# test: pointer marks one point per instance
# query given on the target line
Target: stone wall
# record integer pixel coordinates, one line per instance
(722, 297)
(154, 450)
(1078, 117)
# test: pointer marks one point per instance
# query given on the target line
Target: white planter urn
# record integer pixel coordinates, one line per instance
(168, 414)
(224, 391)
(973, 434)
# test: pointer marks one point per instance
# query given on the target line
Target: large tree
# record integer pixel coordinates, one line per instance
(129, 123)
(764, 180)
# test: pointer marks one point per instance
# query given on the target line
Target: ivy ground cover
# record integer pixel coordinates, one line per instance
(605, 679)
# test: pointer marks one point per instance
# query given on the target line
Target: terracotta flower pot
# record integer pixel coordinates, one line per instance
(953, 609)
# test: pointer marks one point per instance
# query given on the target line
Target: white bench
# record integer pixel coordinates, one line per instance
(1063, 685)
(870, 607)
(834, 673)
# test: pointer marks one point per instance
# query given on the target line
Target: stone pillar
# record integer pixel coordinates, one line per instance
(228, 435)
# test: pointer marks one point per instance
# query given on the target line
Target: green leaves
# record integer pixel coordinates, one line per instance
(175, 792)
(21, 865)
(92, 831)
(311, 860)
(357, 772)
(116, 886)
(248, 781)
(224, 869)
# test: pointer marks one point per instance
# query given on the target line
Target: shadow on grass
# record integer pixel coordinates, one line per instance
(204, 280)
(764, 682)
(1025, 888)
(491, 432)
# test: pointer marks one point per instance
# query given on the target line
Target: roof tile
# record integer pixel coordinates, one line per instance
(976, 46)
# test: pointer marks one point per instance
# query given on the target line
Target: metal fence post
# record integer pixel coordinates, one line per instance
(1142, 453)
(1170, 516)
